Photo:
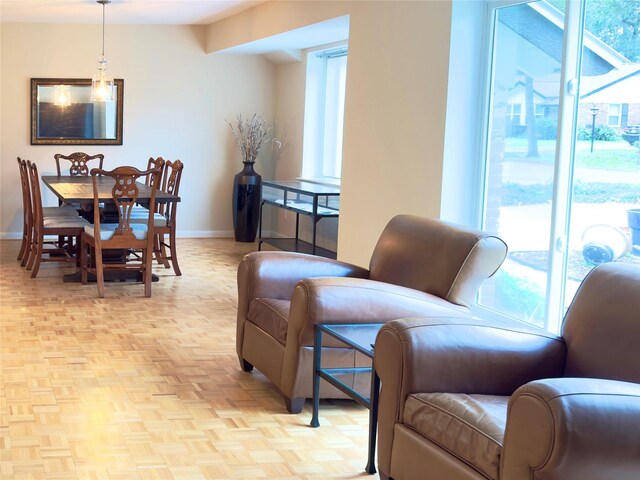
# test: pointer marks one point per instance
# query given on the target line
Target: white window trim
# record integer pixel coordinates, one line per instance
(619, 115)
(313, 131)
(565, 145)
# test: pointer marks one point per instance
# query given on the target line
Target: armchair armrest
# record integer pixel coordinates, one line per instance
(456, 355)
(573, 429)
(357, 300)
(275, 274)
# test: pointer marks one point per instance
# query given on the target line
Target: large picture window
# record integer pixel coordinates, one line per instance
(563, 189)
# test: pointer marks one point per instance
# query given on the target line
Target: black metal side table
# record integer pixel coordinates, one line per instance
(360, 337)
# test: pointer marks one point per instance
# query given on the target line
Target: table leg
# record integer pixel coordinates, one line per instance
(373, 421)
(317, 354)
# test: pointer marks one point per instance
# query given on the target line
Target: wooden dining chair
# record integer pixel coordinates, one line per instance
(27, 213)
(173, 175)
(79, 162)
(125, 235)
(151, 163)
(165, 218)
(61, 221)
(157, 163)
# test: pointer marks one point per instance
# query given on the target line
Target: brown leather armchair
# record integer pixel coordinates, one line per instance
(419, 267)
(466, 399)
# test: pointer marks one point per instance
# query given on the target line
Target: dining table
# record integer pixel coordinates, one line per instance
(78, 189)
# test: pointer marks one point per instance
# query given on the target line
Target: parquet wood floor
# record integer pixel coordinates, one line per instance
(127, 387)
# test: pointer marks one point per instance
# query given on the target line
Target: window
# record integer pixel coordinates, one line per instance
(561, 195)
(514, 113)
(613, 116)
(324, 114)
(540, 110)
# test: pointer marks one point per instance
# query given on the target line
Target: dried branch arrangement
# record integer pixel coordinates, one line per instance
(250, 134)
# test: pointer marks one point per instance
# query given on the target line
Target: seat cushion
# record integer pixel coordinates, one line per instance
(64, 221)
(270, 314)
(143, 217)
(107, 230)
(470, 427)
(67, 210)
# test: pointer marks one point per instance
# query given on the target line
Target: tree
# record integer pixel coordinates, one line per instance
(615, 22)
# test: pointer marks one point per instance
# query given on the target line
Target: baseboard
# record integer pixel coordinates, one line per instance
(10, 236)
(204, 234)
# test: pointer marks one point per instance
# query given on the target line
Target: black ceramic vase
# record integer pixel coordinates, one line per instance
(247, 193)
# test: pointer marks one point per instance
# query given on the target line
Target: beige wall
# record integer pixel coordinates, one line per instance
(177, 97)
(176, 101)
(395, 108)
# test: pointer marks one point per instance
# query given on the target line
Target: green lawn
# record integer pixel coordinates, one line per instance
(605, 155)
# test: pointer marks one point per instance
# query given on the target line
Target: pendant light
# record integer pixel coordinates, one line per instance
(101, 83)
(62, 95)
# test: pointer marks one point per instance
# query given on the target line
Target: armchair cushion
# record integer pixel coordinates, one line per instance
(470, 427)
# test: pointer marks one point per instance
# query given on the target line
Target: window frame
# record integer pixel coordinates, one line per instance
(565, 147)
(618, 115)
(314, 147)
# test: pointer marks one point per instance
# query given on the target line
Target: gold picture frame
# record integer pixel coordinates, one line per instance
(63, 114)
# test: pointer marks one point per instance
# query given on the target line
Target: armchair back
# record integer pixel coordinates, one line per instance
(602, 326)
(438, 258)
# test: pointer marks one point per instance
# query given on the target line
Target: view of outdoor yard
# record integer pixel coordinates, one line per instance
(579, 201)
(606, 185)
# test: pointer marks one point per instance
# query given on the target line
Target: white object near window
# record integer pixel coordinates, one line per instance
(324, 114)
(613, 116)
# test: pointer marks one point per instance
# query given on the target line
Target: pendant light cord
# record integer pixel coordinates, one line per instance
(103, 31)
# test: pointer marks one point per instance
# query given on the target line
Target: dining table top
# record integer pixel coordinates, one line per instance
(79, 189)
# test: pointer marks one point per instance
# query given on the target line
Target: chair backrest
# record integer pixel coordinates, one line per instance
(27, 212)
(36, 196)
(124, 195)
(602, 326)
(155, 163)
(79, 162)
(435, 257)
(171, 184)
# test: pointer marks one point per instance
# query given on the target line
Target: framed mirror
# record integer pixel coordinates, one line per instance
(63, 114)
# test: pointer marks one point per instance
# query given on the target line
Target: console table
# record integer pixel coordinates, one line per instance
(304, 198)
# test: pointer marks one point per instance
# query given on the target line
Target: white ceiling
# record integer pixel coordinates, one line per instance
(137, 12)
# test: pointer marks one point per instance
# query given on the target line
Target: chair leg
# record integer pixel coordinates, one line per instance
(174, 252)
(159, 251)
(246, 366)
(37, 258)
(162, 250)
(83, 262)
(28, 249)
(294, 405)
(147, 258)
(23, 245)
(99, 271)
(76, 249)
